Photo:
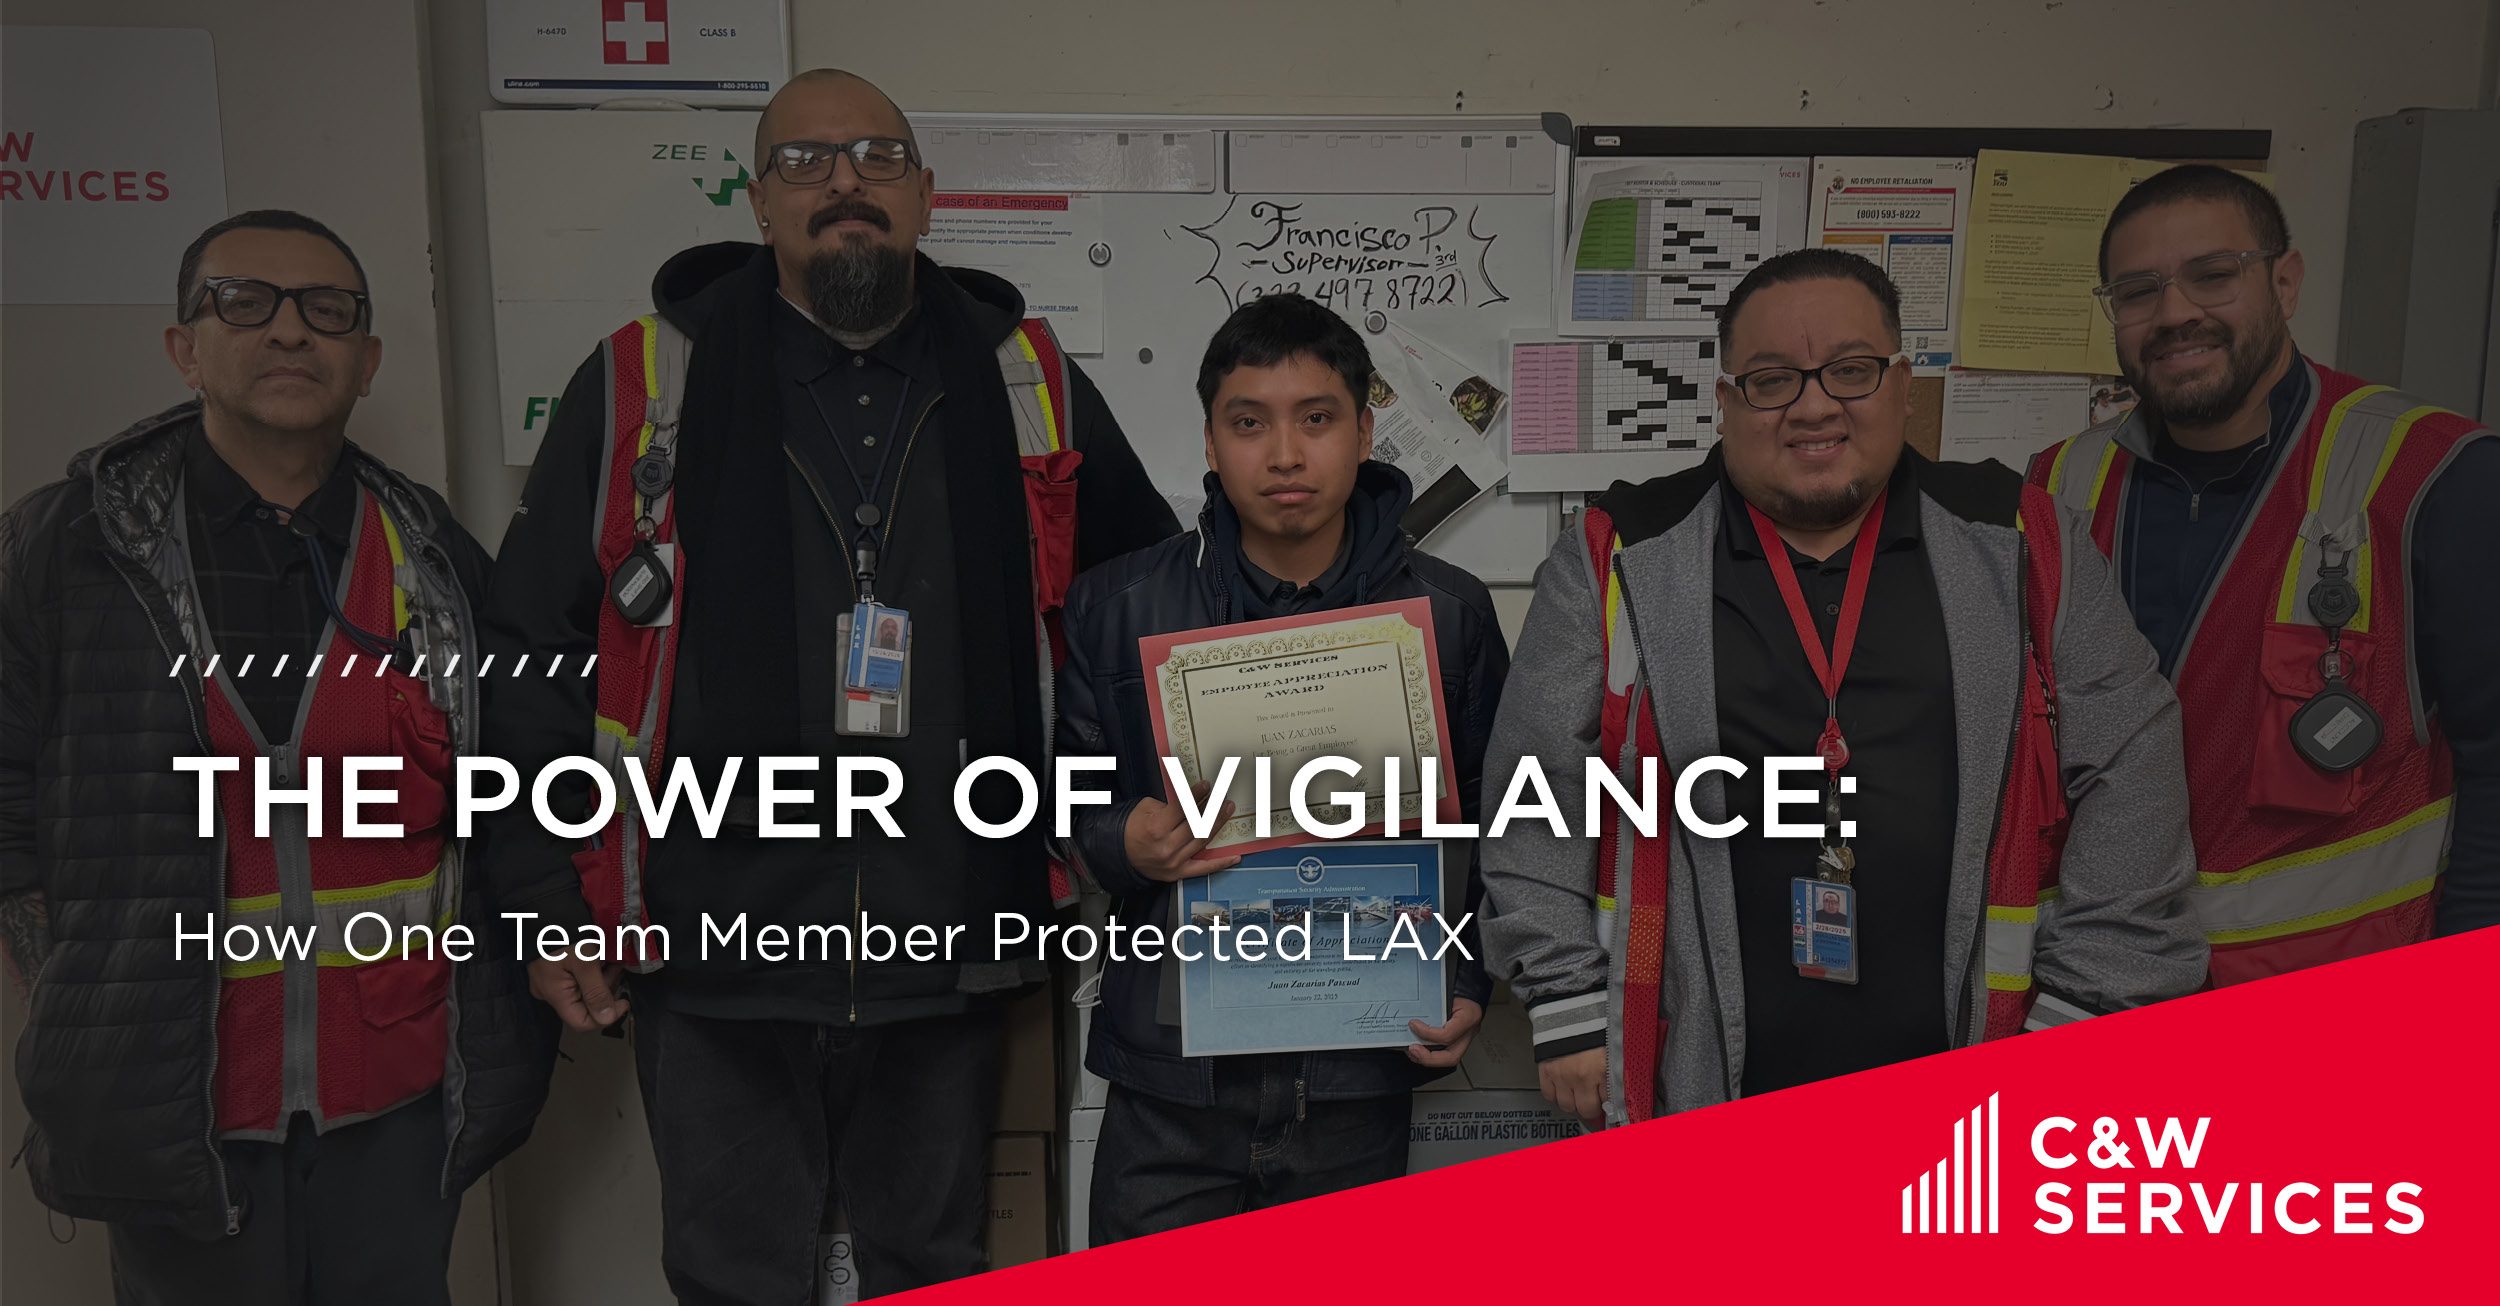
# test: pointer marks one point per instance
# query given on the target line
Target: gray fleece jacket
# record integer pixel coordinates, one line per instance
(2118, 933)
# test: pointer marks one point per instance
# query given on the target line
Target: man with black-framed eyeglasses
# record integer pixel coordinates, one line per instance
(822, 439)
(1998, 837)
(261, 1125)
(2309, 556)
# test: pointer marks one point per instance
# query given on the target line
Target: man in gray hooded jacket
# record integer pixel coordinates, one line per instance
(1999, 795)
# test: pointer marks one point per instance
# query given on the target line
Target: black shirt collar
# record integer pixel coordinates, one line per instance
(219, 496)
(1902, 528)
(808, 351)
(1280, 592)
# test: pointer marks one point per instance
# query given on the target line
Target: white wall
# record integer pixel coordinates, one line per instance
(322, 111)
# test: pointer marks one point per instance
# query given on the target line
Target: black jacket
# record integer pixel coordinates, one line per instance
(117, 1058)
(1193, 582)
(761, 576)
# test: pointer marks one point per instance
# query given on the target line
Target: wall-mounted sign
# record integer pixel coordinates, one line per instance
(698, 52)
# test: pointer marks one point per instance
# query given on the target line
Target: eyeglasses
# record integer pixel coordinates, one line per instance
(874, 158)
(1774, 388)
(2208, 282)
(246, 302)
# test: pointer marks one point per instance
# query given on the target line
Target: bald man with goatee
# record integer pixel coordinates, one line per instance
(861, 437)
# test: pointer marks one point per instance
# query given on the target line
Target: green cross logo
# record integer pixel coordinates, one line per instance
(719, 194)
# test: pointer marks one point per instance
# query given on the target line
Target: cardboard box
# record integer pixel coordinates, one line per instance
(1448, 1128)
(1503, 1054)
(1028, 1088)
(1019, 1199)
(1077, 1175)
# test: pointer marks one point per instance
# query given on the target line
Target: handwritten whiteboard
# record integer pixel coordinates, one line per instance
(1448, 227)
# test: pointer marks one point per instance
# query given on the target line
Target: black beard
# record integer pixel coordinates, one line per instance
(1822, 513)
(2249, 357)
(859, 287)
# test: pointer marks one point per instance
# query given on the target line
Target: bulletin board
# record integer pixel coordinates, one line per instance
(1767, 154)
(1435, 236)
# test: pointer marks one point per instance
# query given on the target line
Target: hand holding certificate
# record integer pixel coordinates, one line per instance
(1242, 709)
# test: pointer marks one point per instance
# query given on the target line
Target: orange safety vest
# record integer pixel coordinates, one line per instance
(328, 1034)
(1632, 870)
(2298, 866)
(645, 362)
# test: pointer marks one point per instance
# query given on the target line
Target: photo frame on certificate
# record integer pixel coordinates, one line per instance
(1359, 683)
(1368, 915)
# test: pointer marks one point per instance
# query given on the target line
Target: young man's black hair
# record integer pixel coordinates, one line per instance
(1811, 264)
(2204, 181)
(187, 275)
(1272, 328)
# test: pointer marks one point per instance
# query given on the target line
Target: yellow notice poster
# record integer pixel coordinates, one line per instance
(2035, 240)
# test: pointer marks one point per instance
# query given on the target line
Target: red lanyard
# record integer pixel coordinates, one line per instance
(1833, 749)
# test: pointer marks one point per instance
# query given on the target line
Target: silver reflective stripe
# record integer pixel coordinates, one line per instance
(2326, 886)
(1024, 397)
(421, 901)
(1568, 1017)
(2009, 946)
(2049, 1011)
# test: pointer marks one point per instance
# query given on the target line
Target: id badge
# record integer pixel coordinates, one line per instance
(1823, 929)
(876, 672)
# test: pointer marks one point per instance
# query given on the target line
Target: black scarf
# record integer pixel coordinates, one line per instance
(734, 524)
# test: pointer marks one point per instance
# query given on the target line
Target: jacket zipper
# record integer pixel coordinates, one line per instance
(816, 488)
(208, 1077)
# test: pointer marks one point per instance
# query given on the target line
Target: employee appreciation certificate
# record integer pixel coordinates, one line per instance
(1362, 684)
(1329, 945)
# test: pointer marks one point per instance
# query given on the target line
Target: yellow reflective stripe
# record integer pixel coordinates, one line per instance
(369, 892)
(650, 383)
(1041, 388)
(1614, 593)
(2312, 856)
(235, 970)
(245, 906)
(399, 559)
(616, 728)
(2100, 475)
(2011, 935)
(2009, 983)
(2322, 920)
(2057, 465)
(1605, 903)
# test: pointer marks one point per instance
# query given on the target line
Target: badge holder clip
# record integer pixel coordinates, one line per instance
(2336, 730)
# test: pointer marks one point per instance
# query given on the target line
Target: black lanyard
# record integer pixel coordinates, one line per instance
(871, 488)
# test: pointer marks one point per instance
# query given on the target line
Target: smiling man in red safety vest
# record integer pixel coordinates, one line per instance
(2309, 555)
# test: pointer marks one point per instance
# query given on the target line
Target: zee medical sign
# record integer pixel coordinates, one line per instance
(110, 161)
(700, 52)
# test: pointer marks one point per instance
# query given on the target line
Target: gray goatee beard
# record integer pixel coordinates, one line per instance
(859, 289)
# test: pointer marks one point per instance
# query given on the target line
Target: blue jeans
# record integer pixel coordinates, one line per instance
(1160, 1166)
(755, 1122)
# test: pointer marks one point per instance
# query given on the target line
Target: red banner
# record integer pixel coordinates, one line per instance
(2316, 1136)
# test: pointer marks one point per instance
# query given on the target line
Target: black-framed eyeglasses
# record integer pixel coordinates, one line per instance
(874, 158)
(1773, 388)
(2210, 281)
(250, 302)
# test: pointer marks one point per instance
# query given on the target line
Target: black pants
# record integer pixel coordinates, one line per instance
(353, 1217)
(1161, 1167)
(755, 1122)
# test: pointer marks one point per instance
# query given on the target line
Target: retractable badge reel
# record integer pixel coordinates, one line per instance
(640, 586)
(2336, 730)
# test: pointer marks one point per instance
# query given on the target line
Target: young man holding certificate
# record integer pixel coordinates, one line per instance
(1269, 1053)
(1995, 820)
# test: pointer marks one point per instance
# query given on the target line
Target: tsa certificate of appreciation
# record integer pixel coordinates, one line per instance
(1323, 946)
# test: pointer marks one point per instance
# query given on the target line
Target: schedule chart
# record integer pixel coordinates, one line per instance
(1669, 258)
(1617, 397)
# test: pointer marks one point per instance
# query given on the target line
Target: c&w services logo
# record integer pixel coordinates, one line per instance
(1960, 1194)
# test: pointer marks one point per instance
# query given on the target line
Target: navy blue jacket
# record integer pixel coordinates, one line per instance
(1194, 581)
